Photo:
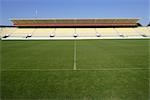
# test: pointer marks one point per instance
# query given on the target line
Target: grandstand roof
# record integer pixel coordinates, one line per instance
(75, 22)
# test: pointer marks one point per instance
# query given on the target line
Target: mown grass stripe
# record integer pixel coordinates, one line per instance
(76, 69)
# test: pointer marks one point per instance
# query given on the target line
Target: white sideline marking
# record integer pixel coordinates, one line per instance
(103, 69)
(75, 54)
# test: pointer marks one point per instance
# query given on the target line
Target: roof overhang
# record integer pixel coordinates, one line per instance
(75, 22)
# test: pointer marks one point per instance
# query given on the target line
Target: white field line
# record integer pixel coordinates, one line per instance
(102, 69)
(75, 54)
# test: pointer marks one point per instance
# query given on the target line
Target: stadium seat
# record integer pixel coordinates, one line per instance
(74, 32)
(143, 31)
(43, 32)
(127, 32)
(7, 31)
(22, 32)
(64, 32)
(107, 32)
(86, 32)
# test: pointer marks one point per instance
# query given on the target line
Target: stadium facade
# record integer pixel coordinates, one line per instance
(120, 28)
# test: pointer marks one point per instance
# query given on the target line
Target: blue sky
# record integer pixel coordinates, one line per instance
(74, 9)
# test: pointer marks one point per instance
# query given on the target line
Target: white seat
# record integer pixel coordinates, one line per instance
(22, 32)
(86, 32)
(43, 32)
(65, 32)
(127, 31)
(7, 31)
(106, 32)
(143, 31)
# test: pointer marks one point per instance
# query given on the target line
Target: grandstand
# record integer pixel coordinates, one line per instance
(116, 68)
(74, 28)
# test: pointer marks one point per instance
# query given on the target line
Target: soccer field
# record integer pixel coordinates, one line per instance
(75, 70)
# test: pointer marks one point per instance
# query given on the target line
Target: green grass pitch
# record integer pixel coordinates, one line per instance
(75, 70)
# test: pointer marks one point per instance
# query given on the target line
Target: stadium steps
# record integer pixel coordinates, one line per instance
(143, 31)
(107, 32)
(42, 32)
(7, 32)
(86, 32)
(91, 33)
(63, 32)
(127, 32)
